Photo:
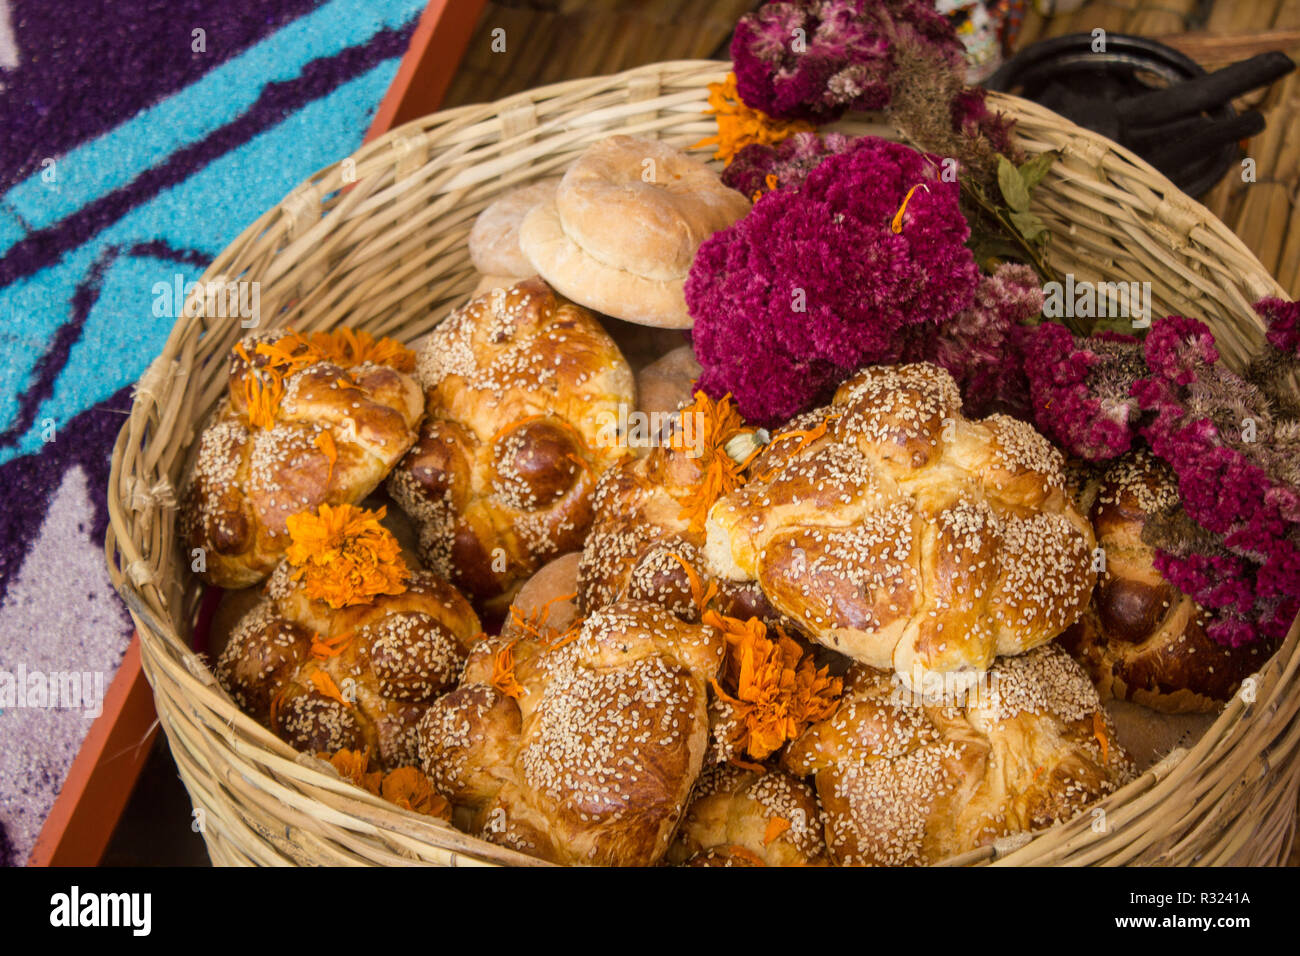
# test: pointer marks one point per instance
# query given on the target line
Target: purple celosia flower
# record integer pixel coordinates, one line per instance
(814, 283)
(980, 346)
(816, 59)
(971, 116)
(1080, 389)
(1253, 586)
(790, 161)
(1283, 321)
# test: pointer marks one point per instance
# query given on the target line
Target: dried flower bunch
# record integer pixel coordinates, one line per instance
(1233, 442)
(815, 60)
(826, 278)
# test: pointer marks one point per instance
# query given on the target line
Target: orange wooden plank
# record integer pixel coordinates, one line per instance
(426, 70)
(102, 776)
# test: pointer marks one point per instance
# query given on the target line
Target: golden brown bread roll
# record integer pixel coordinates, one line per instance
(667, 383)
(1141, 638)
(893, 530)
(487, 283)
(905, 783)
(343, 653)
(770, 816)
(647, 533)
(494, 237)
(578, 749)
(518, 387)
(623, 227)
(309, 420)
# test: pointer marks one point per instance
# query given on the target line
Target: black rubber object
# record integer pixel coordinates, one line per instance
(1146, 96)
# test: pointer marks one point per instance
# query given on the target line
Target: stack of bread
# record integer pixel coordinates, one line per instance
(610, 623)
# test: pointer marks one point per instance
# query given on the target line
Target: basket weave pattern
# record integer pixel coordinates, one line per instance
(378, 242)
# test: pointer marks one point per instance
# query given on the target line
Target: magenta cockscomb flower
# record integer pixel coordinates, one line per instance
(1283, 321)
(816, 282)
(816, 59)
(1235, 462)
(1080, 389)
(788, 163)
(980, 346)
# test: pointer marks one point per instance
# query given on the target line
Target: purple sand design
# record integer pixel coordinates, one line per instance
(46, 246)
(28, 482)
(94, 48)
(46, 372)
(80, 77)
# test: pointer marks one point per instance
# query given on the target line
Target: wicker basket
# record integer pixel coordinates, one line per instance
(379, 242)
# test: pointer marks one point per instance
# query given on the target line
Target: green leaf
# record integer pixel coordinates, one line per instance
(1030, 226)
(1012, 185)
(1032, 171)
(1108, 323)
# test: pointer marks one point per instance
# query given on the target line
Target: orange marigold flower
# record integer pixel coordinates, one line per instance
(775, 827)
(353, 765)
(295, 351)
(344, 556)
(740, 125)
(503, 672)
(706, 427)
(774, 688)
(409, 789)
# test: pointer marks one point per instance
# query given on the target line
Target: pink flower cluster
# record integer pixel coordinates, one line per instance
(816, 59)
(789, 161)
(1253, 584)
(979, 345)
(972, 118)
(1283, 320)
(815, 283)
(1080, 389)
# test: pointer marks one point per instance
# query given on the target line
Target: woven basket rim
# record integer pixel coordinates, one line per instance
(177, 673)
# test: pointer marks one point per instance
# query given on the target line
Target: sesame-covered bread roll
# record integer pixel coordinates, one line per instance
(309, 419)
(523, 393)
(772, 818)
(1142, 639)
(647, 536)
(327, 663)
(578, 748)
(904, 782)
(895, 531)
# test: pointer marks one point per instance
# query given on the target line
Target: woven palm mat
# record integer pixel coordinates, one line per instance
(141, 137)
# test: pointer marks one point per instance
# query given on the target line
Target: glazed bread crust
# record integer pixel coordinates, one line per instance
(904, 782)
(387, 661)
(335, 436)
(593, 762)
(1142, 639)
(519, 386)
(892, 529)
